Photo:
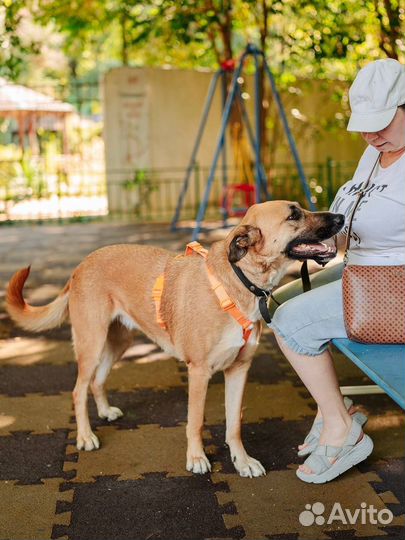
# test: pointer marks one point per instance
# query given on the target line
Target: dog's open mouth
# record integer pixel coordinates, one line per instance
(311, 250)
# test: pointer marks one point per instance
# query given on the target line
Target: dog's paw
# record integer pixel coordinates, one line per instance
(198, 464)
(111, 414)
(88, 442)
(248, 467)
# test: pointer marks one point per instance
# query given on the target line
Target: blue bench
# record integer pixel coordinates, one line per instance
(383, 364)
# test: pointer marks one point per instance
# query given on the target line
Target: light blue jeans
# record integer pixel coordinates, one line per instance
(309, 321)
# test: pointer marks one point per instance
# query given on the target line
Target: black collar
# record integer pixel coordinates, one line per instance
(257, 291)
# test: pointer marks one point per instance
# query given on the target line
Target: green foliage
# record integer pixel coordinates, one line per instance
(141, 181)
(15, 49)
(320, 39)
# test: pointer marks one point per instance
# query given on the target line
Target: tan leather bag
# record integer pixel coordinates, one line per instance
(373, 296)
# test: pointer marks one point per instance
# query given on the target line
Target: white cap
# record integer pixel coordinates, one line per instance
(375, 95)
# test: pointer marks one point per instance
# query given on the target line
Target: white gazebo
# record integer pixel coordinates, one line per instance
(26, 106)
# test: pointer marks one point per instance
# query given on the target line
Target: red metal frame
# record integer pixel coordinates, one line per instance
(229, 195)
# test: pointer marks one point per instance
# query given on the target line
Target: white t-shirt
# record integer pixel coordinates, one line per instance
(378, 231)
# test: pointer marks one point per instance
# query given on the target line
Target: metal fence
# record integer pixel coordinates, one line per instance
(147, 195)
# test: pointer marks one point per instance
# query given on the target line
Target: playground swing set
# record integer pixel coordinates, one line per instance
(237, 197)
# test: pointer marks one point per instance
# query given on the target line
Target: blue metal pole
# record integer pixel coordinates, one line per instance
(245, 116)
(224, 157)
(204, 118)
(289, 134)
(258, 142)
(224, 123)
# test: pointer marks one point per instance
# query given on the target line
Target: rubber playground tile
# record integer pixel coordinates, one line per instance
(390, 533)
(9, 330)
(270, 506)
(165, 406)
(27, 351)
(28, 512)
(155, 506)
(126, 376)
(391, 482)
(273, 442)
(142, 349)
(47, 379)
(128, 454)
(29, 458)
(387, 432)
(260, 402)
(268, 368)
(35, 413)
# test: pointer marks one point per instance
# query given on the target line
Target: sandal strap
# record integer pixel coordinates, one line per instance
(354, 434)
(322, 452)
(317, 463)
(327, 450)
(314, 433)
(316, 429)
(348, 402)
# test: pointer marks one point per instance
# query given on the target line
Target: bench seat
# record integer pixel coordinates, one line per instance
(383, 364)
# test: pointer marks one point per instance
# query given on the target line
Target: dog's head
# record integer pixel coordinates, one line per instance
(283, 231)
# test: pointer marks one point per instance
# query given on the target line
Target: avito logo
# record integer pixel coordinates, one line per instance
(314, 514)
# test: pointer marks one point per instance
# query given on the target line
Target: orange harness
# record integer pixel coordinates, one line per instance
(226, 303)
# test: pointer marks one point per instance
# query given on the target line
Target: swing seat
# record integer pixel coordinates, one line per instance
(237, 198)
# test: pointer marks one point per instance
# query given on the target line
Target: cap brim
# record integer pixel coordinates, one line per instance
(371, 122)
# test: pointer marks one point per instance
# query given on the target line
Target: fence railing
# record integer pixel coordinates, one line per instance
(147, 195)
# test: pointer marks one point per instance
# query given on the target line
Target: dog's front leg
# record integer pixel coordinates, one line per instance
(198, 377)
(235, 380)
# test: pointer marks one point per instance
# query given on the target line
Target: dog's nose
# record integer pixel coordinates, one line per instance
(339, 219)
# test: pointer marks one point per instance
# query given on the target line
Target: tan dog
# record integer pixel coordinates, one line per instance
(110, 294)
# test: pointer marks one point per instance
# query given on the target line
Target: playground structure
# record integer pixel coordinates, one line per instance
(234, 95)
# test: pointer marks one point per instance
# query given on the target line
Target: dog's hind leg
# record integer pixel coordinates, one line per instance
(198, 377)
(88, 348)
(118, 340)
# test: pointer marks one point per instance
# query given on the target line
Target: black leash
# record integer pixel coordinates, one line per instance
(257, 291)
(306, 282)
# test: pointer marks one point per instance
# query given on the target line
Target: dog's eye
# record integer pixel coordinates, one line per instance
(295, 216)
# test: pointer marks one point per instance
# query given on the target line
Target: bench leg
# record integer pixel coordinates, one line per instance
(361, 389)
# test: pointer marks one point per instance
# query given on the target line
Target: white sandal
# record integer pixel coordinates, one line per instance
(354, 450)
(312, 439)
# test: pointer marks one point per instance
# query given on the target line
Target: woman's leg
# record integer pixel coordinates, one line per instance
(319, 376)
(303, 327)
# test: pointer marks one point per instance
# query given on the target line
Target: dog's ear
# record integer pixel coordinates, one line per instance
(244, 237)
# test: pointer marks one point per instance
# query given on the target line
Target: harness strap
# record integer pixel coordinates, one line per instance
(226, 303)
(196, 247)
(157, 292)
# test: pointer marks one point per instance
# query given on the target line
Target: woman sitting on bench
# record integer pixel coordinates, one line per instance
(304, 325)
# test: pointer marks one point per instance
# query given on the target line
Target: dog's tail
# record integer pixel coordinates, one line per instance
(33, 318)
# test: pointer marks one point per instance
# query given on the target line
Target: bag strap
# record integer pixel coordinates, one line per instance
(362, 192)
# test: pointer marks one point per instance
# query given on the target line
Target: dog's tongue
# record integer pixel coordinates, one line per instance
(312, 248)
